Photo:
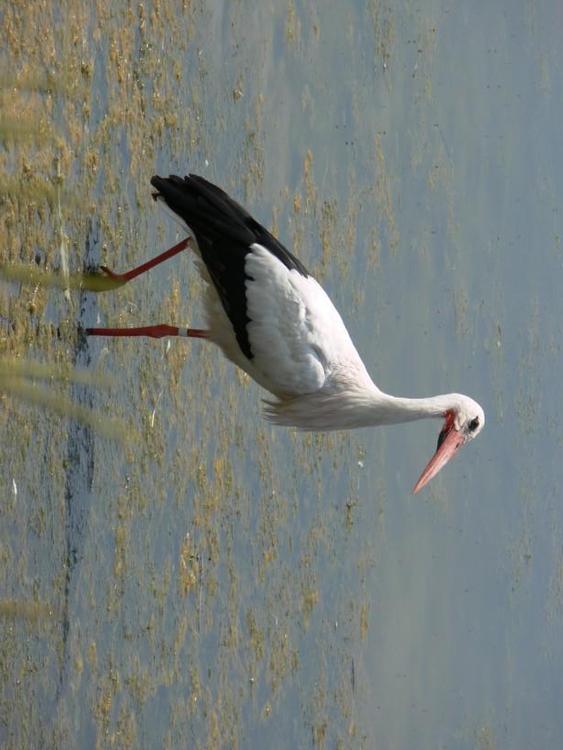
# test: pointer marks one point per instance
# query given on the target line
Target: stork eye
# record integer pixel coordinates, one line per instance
(473, 424)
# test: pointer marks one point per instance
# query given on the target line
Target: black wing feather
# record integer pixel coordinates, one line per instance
(224, 231)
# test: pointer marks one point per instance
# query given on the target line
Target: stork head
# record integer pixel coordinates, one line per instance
(462, 422)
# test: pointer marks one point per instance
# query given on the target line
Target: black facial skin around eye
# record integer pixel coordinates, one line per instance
(441, 438)
(473, 424)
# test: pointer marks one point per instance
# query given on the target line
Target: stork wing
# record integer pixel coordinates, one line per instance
(297, 337)
(290, 336)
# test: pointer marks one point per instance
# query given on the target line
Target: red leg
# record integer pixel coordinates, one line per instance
(155, 332)
(128, 275)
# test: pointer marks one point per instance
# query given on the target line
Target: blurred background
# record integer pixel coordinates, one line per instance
(174, 571)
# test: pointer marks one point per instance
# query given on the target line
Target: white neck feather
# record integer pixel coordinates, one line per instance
(385, 409)
(365, 407)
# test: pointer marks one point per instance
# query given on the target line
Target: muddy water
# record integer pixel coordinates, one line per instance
(213, 582)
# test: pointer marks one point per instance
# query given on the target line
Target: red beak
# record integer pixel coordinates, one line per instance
(449, 442)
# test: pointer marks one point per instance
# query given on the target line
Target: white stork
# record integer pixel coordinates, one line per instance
(271, 318)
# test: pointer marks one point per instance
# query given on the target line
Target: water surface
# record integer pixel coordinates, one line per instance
(217, 582)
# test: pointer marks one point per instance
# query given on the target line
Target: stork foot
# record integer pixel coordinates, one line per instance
(123, 278)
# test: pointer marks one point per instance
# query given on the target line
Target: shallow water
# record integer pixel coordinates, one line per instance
(216, 582)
